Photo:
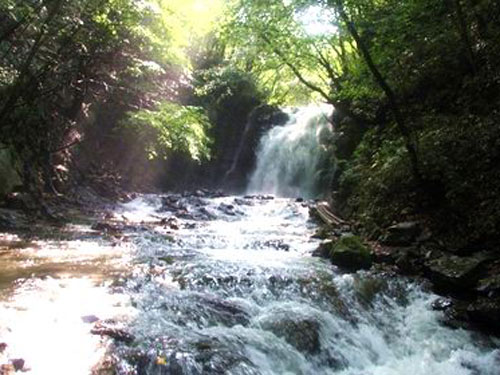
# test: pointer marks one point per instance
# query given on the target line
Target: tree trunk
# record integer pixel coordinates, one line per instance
(389, 93)
(465, 36)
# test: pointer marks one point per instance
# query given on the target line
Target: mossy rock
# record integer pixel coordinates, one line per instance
(323, 232)
(350, 253)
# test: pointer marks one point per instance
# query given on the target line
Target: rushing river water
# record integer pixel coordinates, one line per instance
(227, 287)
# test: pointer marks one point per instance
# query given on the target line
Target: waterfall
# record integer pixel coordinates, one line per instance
(293, 160)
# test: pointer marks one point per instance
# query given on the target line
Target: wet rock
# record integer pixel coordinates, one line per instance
(453, 273)
(278, 282)
(171, 222)
(195, 202)
(10, 219)
(243, 202)
(200, 193)
(402, 234)
(110, 330)
(485, 312)
(408, 260)
(196, 212)
(322, 233)
(204, 214)
(324, 248)
(172, 203)
(368, 288)
(226, 361)
(276, 244)
(260, 197)
(228, 209)
(301, 332)
(89, 319)
(225, 312)
(167, 259)
(350, 253)
(18, 364)
(171, 363)
(454, 313)
(7, 369)
(207, 356)
(489, 285)
(205, 310)
(184, 214)
(107, 227)
(441, 304)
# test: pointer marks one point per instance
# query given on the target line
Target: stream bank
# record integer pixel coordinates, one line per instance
(468, 281)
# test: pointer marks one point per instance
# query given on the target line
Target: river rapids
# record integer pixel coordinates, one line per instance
(210, 284)
(228, 286)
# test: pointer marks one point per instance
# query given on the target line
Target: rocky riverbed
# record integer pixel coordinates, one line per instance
(204, 283)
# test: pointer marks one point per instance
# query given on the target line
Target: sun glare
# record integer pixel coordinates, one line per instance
(317, 20)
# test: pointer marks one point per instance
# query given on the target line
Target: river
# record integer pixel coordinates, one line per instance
(227, 287)
(211, 284)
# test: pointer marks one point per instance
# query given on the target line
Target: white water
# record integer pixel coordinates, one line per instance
(291, 158)
(237, 294)
(367, 324)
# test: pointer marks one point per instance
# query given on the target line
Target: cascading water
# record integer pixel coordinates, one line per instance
(225, 285)
(292, 160)
(237, 292)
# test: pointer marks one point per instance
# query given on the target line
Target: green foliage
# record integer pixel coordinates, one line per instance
(220, 88)
(66, 64)
(171, 127)
(466, 175)
(268, 39)
(9, 173)
(229, 95)
(376, 186)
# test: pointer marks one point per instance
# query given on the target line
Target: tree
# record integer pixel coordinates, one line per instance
(63, 63)
(389, 92)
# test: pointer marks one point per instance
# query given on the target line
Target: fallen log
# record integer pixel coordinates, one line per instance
(323, 212)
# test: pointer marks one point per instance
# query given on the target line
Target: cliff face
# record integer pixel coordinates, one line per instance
(260, 120)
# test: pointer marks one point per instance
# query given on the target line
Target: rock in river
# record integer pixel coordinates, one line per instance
(455, 273)
(302, 332)
(348, 252)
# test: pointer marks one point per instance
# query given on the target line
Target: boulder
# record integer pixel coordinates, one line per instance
(350, 253)
(323, 232)
(454, 273)
(485, 312)
(323, 249)
(402, 234)
(301, 332)
(10, 219)
(489, 285)
(18, 364)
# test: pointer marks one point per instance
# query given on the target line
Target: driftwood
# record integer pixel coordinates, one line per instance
(327, 216)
